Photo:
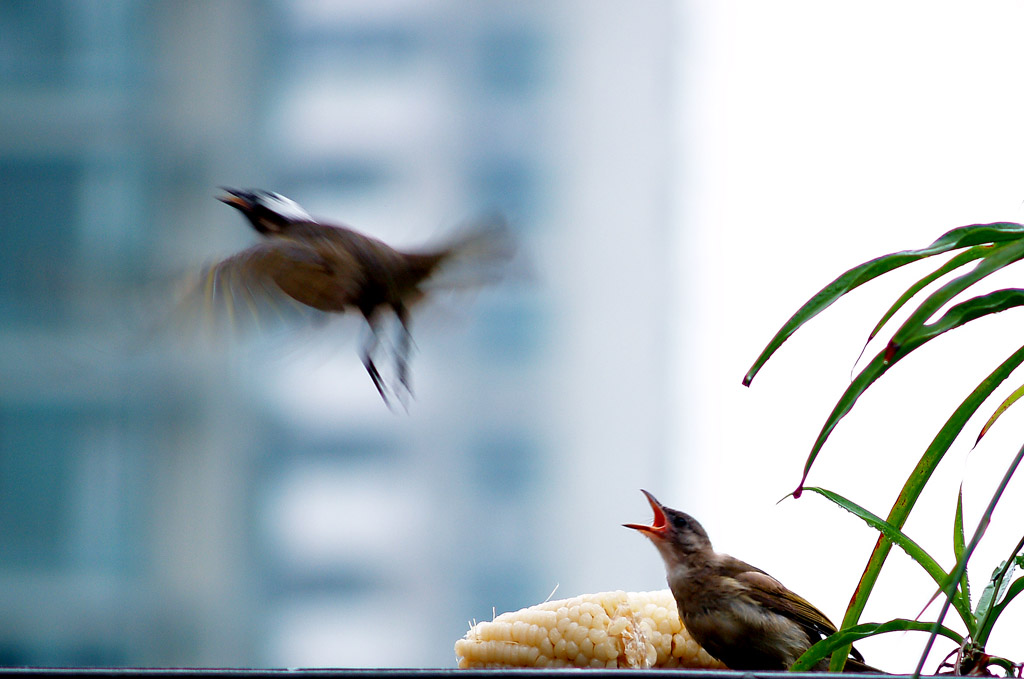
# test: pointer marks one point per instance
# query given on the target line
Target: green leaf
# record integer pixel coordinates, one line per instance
(1010, 400)
(998, 591)
(989, 595)
(959, 544)
(1012, 591)
(1011, 668)
(955, 263)
(961, 314)
(898, 538)
(846, 637)
(956, 316)
(916, 331)
(919, 477)
(961, 237)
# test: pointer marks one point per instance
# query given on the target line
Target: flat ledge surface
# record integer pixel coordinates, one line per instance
(325, 673)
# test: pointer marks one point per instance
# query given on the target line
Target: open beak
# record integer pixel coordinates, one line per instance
(235, 198)
(659, 526)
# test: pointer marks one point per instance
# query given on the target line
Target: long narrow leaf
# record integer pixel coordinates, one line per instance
(961, 314)
(961, 237)
(848, 636)
(961, 259)
(1010, 400)
(995, 259)
(901, 540)
(917, 480)
(961, 564)
(959, 543)
(916, 331)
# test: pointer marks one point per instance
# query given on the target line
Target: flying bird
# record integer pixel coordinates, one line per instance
(736, 612)
(307, 264)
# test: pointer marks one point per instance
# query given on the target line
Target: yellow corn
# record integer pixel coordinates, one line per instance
(609, 629)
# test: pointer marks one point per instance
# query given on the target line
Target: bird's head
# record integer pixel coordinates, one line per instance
(268, 212)
(676, 534)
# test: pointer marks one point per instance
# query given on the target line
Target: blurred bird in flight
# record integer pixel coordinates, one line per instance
(304, 264)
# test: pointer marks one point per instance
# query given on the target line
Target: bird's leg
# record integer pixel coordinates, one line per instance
(402, 350)
(369, 347)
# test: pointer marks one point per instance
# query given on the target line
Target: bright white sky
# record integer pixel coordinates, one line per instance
(818, 135)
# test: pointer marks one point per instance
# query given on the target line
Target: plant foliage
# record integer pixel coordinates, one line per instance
(990, 248)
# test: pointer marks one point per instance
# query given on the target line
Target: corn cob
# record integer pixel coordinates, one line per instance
(609, 629)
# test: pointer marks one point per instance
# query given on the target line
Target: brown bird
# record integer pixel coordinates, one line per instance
(334, 269)
(738, 613)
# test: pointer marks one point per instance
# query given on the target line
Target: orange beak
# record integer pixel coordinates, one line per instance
(659, 526)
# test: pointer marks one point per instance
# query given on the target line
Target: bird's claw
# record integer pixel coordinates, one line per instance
(403, 395)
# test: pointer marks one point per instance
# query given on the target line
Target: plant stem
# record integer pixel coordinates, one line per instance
(961, 566)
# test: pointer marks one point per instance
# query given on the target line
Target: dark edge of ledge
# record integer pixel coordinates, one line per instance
(410, 673)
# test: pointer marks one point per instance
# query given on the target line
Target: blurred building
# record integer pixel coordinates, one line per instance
(262, 507)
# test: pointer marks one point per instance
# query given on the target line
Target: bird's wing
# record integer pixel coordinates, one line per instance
(767, 590)
(271, 281)
(771, 593)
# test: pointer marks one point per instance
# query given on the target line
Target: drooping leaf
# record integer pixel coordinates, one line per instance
(917, 330)
(917, 480)
(901, 540)
(910, 339)
(1010, 400)
(846, 637)
(956, 262)
(963, 313)
(961, 237)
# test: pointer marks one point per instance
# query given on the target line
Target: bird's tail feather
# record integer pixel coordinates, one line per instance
(474, 254)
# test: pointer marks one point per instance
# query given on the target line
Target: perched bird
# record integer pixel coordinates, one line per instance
(333, 269)
(738, 613)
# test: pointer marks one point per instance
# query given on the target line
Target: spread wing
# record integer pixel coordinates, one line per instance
(272, 281)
